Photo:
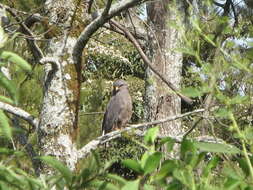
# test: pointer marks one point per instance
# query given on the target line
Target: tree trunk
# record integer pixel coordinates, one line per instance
(59, 114)
(161, 102)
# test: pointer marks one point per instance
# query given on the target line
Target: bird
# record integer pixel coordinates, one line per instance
(119, 109)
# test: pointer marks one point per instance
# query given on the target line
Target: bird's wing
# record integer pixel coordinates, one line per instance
(103, 123)
(118, 111)
(125, 108)
(111, 115)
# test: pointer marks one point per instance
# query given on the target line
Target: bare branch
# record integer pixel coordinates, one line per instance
(37, 53)
(97, 23)
(92, 113)
(235, 14)
(83, 152)
(148, 62)
(107, 8)
(90, 5)
(20, 113)
(23, 140)
(53, 60)
(192, 128)
(218, 4)
(32, 19)
(137, 34)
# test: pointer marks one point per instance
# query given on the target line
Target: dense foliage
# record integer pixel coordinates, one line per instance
(218, 55)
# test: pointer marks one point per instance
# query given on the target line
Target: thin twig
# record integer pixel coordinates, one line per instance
(92, 113)
(192, 128)
(20, 113)
(99, 21)
(107, 8)
(38, 54)
(149, 63)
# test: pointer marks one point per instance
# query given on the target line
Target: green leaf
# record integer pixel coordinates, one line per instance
(134, 165)
(208, 38)
(238, 99)
(195, 24)
(249, 52)
(56, 164)
(118, 179)
(144, 159)
(185, 176)
(3, 186)
(85, 173)
(174, 185)
(16, 59)
(187, 150)
(94, 164)
(243, 165)
(168, 166)
(240, 66)
(4, 124)
(2, 63)
(151, 135)
(132, 185)
(191, 92)
(9, 86)
(6, 100)
(34, 183)
(222, 112)
(200, 157)
(248, 133)
(211, 165)
(233, 172)
(152, 162)
(217, 147)
(102, 185)
(149, 187)
(6, 151)
(169, 143)
(108, 164)
(187, 51)
(231, 184)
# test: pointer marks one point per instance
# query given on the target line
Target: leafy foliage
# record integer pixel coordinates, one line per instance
(196, 169)
(215, 65)
(6, 83)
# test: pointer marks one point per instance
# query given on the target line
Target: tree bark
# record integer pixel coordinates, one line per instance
(59, 113)
(160, 101)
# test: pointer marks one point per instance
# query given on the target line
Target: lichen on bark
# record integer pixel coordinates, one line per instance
(159, 101)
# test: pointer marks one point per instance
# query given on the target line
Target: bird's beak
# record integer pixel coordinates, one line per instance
(116, 88)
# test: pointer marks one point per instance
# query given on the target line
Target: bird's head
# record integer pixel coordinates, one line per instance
(119, 84)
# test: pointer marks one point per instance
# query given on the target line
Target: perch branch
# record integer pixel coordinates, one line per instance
(83, 152)
(20, 113)
(148, 62)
